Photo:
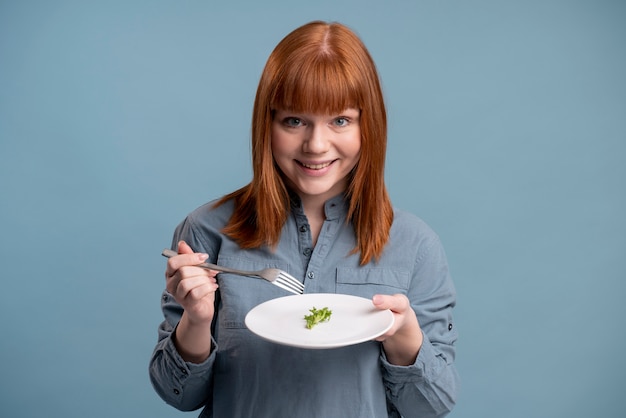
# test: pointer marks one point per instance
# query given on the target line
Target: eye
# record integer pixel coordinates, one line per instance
(292, 122)
(341, 121)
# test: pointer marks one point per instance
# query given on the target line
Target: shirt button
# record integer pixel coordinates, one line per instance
(311, 275)
(303, 228)
(307, 252)
(449, 327)
(176, 392)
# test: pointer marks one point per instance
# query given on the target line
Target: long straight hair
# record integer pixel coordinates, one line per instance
(318, 68)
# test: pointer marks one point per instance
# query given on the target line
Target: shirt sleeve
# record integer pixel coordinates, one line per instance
(185, 386)
(428, 387)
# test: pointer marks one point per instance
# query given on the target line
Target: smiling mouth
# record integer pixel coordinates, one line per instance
(315, 166)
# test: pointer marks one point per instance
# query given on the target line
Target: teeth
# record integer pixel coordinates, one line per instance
(316, 166)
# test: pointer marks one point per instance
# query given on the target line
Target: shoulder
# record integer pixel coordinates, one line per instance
(202, 227)
(408, 224)
(211, 213)
(411, 235)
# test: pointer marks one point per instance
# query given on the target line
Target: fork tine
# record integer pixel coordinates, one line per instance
(287, 278)
(288, 284)
(285, 287)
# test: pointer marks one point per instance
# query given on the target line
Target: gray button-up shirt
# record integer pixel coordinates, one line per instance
(246, 376)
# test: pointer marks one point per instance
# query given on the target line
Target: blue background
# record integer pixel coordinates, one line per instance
(507, 135)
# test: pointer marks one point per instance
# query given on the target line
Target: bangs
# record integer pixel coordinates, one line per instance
(320, 85)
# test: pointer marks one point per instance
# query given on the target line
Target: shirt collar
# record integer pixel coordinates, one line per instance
(334, 208)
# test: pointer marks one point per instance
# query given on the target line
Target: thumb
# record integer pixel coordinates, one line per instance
(396, 303)
(184, 248)
(381, 301)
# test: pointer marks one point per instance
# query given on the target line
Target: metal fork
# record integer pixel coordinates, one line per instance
(277, 277)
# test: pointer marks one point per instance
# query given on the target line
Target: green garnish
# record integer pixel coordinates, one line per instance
(317, 316)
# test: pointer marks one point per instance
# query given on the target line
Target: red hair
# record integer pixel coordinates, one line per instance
(318, 68)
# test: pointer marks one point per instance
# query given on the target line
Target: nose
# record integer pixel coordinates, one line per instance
(317, 140)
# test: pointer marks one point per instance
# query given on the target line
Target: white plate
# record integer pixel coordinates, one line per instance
(354, 320)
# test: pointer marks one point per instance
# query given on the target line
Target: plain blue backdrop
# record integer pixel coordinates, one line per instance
(507, 135)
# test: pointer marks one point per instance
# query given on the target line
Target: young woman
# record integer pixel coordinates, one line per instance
(318, 208)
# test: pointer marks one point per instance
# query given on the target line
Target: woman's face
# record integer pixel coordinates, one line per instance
(316, 152)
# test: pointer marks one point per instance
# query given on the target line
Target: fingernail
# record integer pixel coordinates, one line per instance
(202, 256)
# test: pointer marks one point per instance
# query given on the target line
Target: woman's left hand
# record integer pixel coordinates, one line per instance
(404, 339)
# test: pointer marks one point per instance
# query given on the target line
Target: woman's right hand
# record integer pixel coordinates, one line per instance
(192, 287)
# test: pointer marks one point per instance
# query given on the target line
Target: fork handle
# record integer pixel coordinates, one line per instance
(170, 253)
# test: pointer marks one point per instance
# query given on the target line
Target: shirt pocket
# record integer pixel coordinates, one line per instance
(239, 294)
(367, 282)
